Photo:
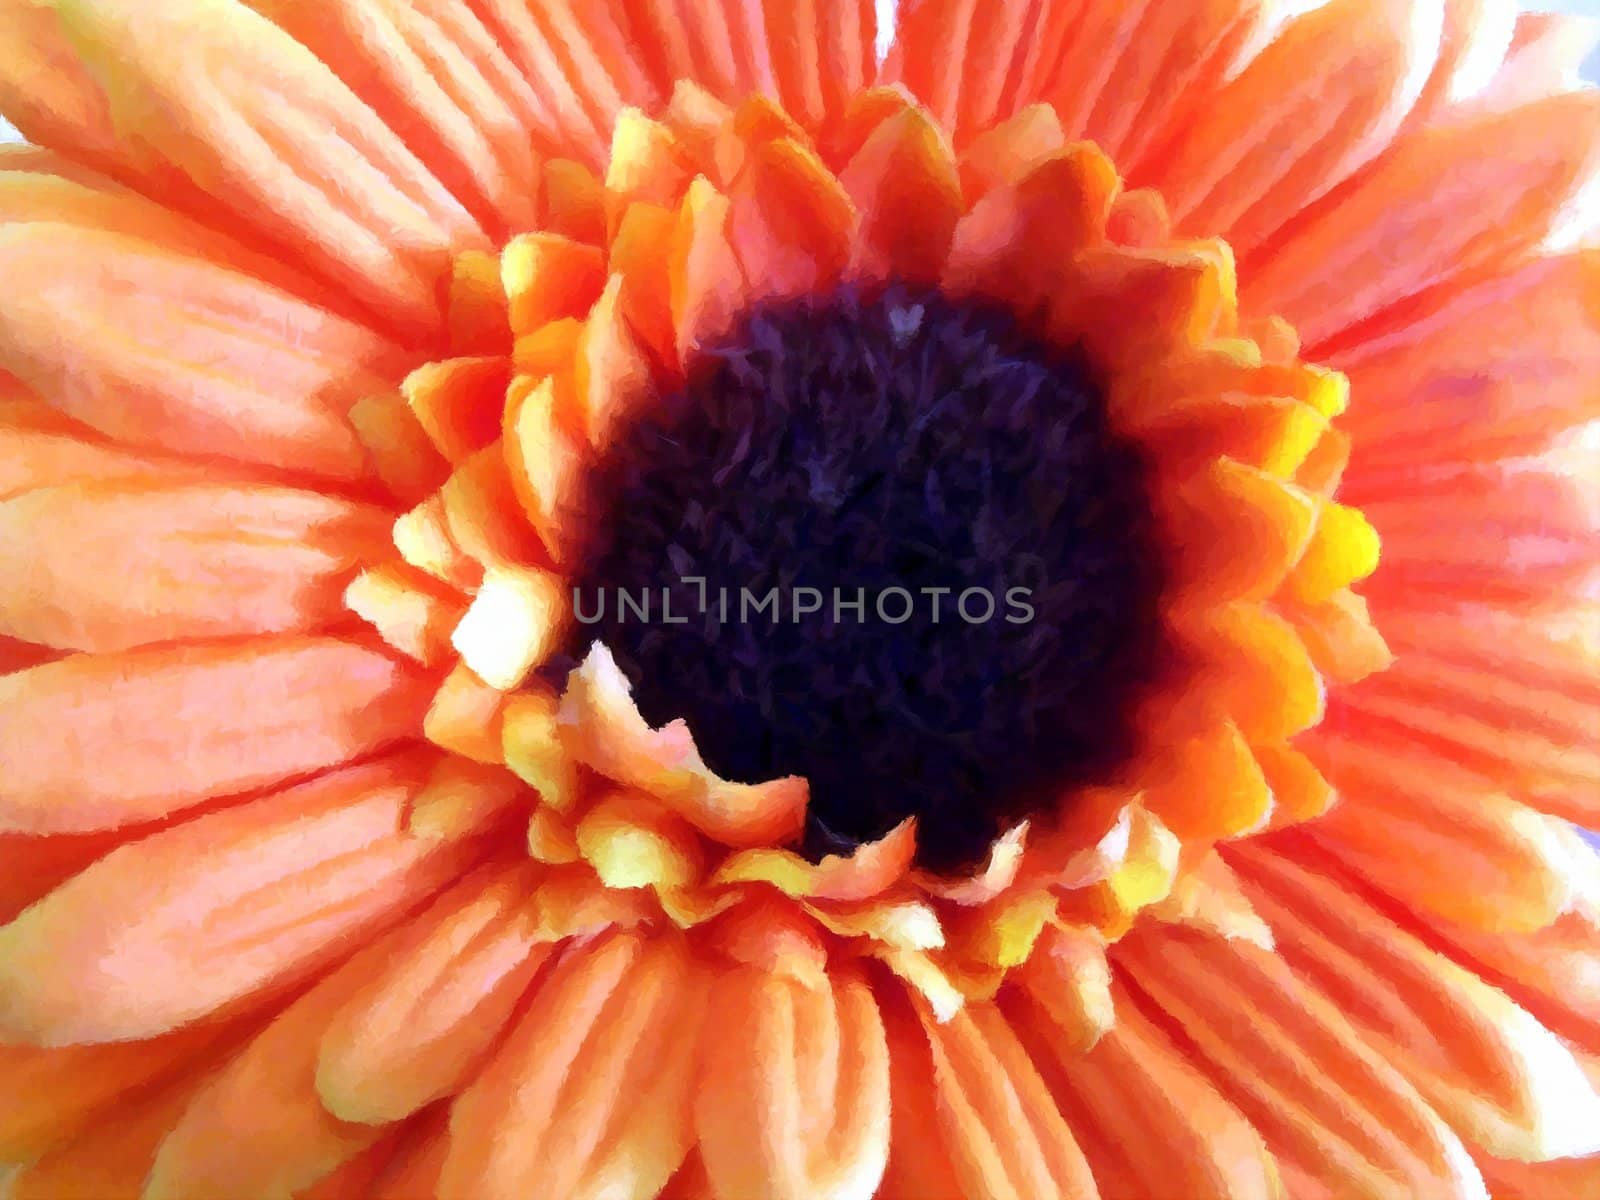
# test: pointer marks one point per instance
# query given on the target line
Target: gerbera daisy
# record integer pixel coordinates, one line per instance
(614, 599)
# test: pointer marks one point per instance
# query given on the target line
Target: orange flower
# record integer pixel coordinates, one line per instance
(345, 341)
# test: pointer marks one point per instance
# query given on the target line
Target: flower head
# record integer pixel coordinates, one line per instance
(1155, 688)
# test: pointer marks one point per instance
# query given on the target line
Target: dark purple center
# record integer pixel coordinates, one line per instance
(888, 543)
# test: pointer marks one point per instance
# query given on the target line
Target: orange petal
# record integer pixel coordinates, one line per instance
(423, 1023)
(1440, 838)
(321, 174)
(172, 353)
(196, 561)
(794, 1099)
(869, 869)
(1340, 636)
(466, 717)
(547, 277)
(1235, 798)
(1499, 1077)
(165, 930)
(590, 1093)
(96, 742)
(994, 1120)
(1256, 671)
(904, 184)
(411, 612)
(602, 728)
(515, 622)
(40, 448)
(792, 222)
(438, 77)
(1438, 194)
(706, 280)
(482, 512)
(1497, 369)
(1160, 75)
(477, 317)
(459, 402)
(258, 1127)
(1239, 532)
(822, 54)
(1135, 1088)
(110, 1159)
(1006, 153)
(70, 1089)
(1016, 241)
(1330, 1108)
(1069, 979)
(1324, 97)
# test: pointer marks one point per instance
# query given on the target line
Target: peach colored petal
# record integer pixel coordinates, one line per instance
(424, 1022)
(994, 1118)
(70, 1089)
(441, 81)
(1436, 192)
(601, 727)
(794, 1098)
(112, 1157)
(168, 352)
(95, 742)
(578, 62)
(1322, 99)
(1477, 36)
(590, 1094)
(1496, 369)
(194, 561)
(866, 871)
(249, 121)
(166, 930)
(1511, 534)
(40, 448)
(1490, 1069)
(1441, 838)
(1545, 58)
(1069, 979)
(1328, 1106)
(257, 1127)
(32, 867)
(1135, 1089)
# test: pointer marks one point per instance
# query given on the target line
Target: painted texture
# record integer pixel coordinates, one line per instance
(336, 861)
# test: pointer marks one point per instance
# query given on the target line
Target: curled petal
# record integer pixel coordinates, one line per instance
(603, 729)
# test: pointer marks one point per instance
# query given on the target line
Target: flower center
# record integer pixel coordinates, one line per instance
(888, 543)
